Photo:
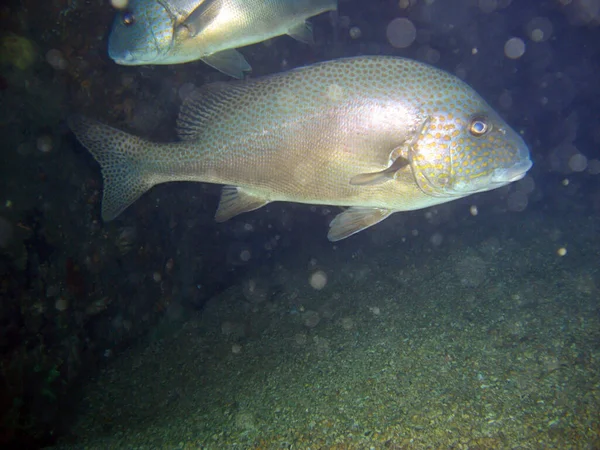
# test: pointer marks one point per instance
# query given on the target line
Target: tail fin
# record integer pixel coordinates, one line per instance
(120, 156)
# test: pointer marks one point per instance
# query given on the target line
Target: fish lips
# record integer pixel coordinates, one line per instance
(124, 58)
(129, 58)
(505, 175)
(497, 178)
(515, 172)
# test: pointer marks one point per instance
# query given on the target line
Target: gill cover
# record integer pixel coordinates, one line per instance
(431, 159)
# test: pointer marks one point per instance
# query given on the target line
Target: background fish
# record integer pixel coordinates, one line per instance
(179, 31)
(379, 134)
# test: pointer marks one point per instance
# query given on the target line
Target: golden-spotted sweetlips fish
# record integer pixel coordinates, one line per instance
(179, 31)
(377, 134)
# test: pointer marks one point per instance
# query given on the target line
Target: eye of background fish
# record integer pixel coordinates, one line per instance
(128, 18)
(479, 126)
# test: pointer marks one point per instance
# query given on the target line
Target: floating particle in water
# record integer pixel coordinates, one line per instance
(119, 4)
(514, 48)
(61, 304)
(126, 240)
(341, 21)
(539, 29)
(473, 210)
(401, 32)
(347, 323)
(375, 310)
(355, 33)
(436, 239)
(237, 251)
(256, 290)
(578, 162)
(97, 306)
(236, 349)
(311, 319)
(245, 255)
(245, 421)
(471, 270)
(517, 201)
(300, 339)
(560, 158)
(460, 71)
(561, 251)
(185, 90)
(527, 184)
(56, 59)
(44, 143)
(318, 280)
(428, 54)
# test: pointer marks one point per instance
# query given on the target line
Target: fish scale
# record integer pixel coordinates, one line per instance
(378, 134)
(179, 31)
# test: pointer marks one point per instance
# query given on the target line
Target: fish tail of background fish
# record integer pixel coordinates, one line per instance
(122, 159)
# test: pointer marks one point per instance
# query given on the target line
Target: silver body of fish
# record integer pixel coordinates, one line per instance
(179, 31)
(378, 134)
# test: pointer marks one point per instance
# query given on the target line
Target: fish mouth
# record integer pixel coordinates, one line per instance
(124, 58)
(515, 172)
(129, 58)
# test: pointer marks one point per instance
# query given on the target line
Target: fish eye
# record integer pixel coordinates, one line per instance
(479, 126)
(128, 18)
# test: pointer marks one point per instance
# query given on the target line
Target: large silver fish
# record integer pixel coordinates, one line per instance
(379, 134)
(179, 31)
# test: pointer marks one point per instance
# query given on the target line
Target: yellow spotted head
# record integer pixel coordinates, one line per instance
(464, 147)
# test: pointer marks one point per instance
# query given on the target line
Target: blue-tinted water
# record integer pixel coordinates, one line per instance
(473, 324)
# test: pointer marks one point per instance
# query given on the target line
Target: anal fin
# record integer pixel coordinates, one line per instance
(234, 201)
(353, 220)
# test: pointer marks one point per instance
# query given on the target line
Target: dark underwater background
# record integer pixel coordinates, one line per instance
(470, 325)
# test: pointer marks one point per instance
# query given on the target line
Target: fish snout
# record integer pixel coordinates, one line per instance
(505, 175)
(124, 57)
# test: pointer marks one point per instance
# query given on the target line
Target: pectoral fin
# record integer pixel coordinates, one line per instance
(302, 32)
(353, 220)
(367, 179)
(202, 16)
(230, 62)
(234, 201)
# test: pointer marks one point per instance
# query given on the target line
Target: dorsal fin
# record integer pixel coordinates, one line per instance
(206, 105)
